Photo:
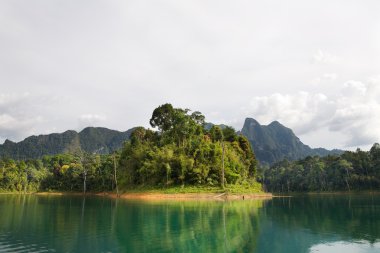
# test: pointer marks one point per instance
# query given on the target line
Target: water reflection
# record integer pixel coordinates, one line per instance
(189, 226)
(54, 224)
(299, 224)
(75, 224)
(354, 247)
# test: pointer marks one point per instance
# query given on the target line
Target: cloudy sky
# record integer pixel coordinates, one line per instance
(312, 65)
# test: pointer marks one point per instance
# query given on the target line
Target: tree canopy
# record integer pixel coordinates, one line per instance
(183, 152)
(359, 170)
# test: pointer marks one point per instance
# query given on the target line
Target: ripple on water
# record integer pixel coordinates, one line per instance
(9, 244)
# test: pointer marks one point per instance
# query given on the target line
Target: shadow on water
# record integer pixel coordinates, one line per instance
(300, 224)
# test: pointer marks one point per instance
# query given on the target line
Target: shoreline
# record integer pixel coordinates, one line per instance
(158, 195)
(165, 196)
(359, 192)
(193, 196)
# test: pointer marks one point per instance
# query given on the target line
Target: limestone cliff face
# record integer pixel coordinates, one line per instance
(275, 142)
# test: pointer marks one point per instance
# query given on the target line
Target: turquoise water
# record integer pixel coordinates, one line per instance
(348, 223)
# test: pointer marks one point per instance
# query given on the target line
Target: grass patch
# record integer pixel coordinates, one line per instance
(233, 189)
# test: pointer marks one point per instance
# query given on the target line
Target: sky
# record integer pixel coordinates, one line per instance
(312, 65)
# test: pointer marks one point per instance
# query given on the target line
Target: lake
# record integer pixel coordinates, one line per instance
(320, 223)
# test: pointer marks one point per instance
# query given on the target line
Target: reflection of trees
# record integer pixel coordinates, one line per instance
(347, 217)
(68, 224)
(55, 222)
(189, 226)
(76, 224)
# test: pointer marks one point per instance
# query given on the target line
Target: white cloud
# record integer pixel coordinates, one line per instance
(19, 115)
(323, 57)
(14, 128)
(123, 58)
(86, 120)
(327, 77)
(330, 76)
(354, 89)
(7, 121)
(354, 112)
(302, 111)
(374, 80)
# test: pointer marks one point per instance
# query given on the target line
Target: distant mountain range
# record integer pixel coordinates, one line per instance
(275, 142)
(91, 139)
(271, 143)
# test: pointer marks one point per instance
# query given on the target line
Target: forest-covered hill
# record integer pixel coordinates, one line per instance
(91, 140)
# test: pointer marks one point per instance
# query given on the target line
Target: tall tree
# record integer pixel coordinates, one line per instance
(163, 117)
(115, 173)
(217, 135)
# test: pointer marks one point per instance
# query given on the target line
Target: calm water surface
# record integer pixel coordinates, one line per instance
(348, 223)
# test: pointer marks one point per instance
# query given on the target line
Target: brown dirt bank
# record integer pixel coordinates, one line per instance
(192, 196)
(162, 196)
(167, 196)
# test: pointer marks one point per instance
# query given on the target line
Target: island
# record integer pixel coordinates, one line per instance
(179, 158)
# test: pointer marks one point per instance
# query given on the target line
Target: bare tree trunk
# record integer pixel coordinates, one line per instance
(2, 175)
(348, 175)
(82, 161)
(263, 181)
(84, 180)
(115, 175)
(370, 182)
(223, 164)
(26, 182)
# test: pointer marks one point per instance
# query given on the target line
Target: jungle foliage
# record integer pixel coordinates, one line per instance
(359, 170)
(58, 173)
(181, 152)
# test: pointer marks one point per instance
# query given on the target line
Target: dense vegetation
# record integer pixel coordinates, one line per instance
(182, 152)
(185, 151)
(358, 170)
(64, 172)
